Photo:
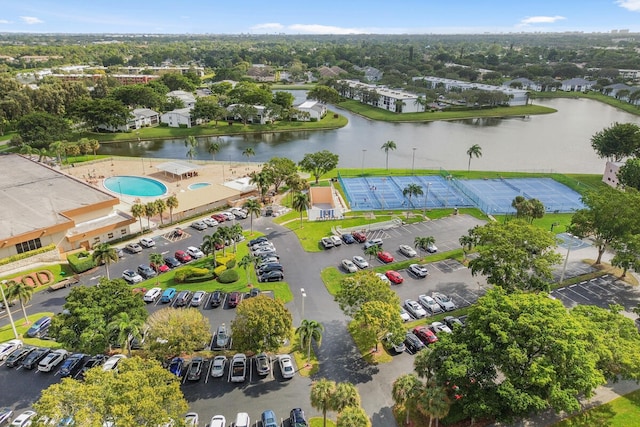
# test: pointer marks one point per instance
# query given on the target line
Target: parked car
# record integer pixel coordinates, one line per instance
(359, 236)
(183, 298)
(39, 327)
(133, 248)
(286, 366)
(348, 239)
(271, 276)
(452, 321)
(217, 366)
(425, 334)
(238, 368)
(258, 240)
(384, 278)
(438, 327)
(407, 251)
(360, 262)
(182, 256)
(413, 343)
(199, 225)
(131, 277)
(146, 271)
(392, 346)
(5, 415)
(210, 222)
(152, 295)
(267, 260)
(229, 216)
(218, 217)
(263, 367)
(265, 252)
(262, 247)
(52, 360)
(418, 270)
(32, 360)
(239, 213)
(337, 241)
(385, 257)
(326, 243)
(430, 304)
(111, 364)
(222, 337)
(431, 248)
(273, 266)
(197, 299)
(172, 262)
(176, 366)
(297, 418)
(194, 252)
(218, 421)
(404, 315)
(444, 301)
(415, 309)
(373, 242)
(349, 266)
(18, 356)
(162, 268)
(25, 419)
(147, 242)
(97, 360)
(8, 347)
(394, 277)
(216, 298)
(195, 369)
(168, 295)
(234, 299)
(268, 419)
(191, 419)
(242, 420)
(72, 363)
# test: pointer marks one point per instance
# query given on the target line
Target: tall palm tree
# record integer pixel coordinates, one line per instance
(309, 330)
(246, 262)
(172, 203)
(21, 292)
(467, 242)
(127, 328)
(248, 152)
(213, 148)
(156, 260)
(253, 209)
(57, 148)
(474, 150)
(225, 234)
(191, 143)
(149, 211)
(353, 416)
(422, 243)
(137, 211)
(372, 250)
(432, 401)
(209, 244)
(301, 203)
(389, 145)
(161, 206)
(346, 395)
(235, 232)
(104, 253)
(412, 190)
(321, 393)
(262, 180)
(295, 184)
(404, 392)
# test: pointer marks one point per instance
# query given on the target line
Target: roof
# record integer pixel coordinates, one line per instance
(241, 184)
(144, 112)
(177, 167)
(185, 97)
(577, 81)
(181, 111)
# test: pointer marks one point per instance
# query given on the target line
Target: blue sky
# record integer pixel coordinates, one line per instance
(317, 17)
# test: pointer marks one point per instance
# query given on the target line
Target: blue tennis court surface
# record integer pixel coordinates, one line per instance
(492, 196)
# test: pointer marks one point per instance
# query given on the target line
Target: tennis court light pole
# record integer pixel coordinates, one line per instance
(424, 211)
(413, 160)
(364, 150)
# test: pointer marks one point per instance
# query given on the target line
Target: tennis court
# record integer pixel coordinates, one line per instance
(492, 196)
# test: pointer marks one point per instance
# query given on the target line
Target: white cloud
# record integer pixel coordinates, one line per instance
(268, 26)
(4, 21)
(632, 5)
(323, 29)
(30, 20)
(541, 20)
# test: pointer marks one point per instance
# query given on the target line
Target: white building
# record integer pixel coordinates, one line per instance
(516, 96)
(179, 118)
(187, 98)
(610, 176)
(262, 115)
(577, 84)
(140, 117)
(388, 99)
(315, 109)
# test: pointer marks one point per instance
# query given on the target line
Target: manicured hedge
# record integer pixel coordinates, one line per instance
(18, 257)
(199, 279)
(228, 276)
(81, 261)
(186, 273)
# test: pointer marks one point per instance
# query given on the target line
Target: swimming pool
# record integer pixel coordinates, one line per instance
(198, 185)
(135, 186)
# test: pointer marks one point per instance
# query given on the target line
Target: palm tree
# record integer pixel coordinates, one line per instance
(209, 244)
(309, 330)
(474, 150)
(262, 180)
(353, 416)
(295, 183)
(137, 211)
(213, 147)
(248, 152)
(161, 206)
(156, 260)
(22, 292)
(224, 232)
(389, 145)
(253, 209)
(191, 143)
(172, 203)
(423, 243)
(432, 401)
(321, 396)
(149, 211)
(404, 391)
(57, 148)
(127, 329)
(235, 232)
(300, 203)
(412, 190)
(372, 250)
(467, 242)
(95, 146)
(105, 254)
(346, 395)
(246, 262)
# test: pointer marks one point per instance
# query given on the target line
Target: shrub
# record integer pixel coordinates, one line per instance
(18, 257)
(199, 279)
(228, 276)
(190, 272)
(231, 263)
(219, 269)
(81, 262)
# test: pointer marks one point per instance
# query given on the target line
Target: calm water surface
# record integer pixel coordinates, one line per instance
(553, 142)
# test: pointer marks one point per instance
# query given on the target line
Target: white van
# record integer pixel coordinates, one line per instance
(242, 420)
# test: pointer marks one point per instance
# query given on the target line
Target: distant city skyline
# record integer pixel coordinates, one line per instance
(327, 17)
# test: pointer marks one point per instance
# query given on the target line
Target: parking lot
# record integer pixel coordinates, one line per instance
(601, 291)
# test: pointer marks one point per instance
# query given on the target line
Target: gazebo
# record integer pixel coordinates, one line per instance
(179, 168)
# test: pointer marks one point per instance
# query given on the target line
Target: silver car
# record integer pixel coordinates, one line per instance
(444, 301)
(199, 225)
(360, 262)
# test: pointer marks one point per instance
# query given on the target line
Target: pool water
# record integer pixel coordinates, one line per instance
(198, 185)
(135, 186)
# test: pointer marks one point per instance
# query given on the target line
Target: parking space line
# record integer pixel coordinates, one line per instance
(562, 296)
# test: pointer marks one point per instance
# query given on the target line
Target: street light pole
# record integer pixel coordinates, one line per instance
(413, 160)
(426, 198)
(362, 168)
(6, 306)
(304, 296)
(566, 260)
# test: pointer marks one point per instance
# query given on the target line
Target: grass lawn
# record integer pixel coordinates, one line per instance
(300, 356)
(6, 333)
(559, 221)
(621, 412)
(59, 271)
(319, 422)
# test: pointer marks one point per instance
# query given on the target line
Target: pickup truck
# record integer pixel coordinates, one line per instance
(64, 283)
(238, 368)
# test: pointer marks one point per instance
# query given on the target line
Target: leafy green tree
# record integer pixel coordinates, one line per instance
(324, 94)
(262, 180)
(250, 94)
(206, 109)
(300, 204)
(627, 254)
(283, 99)
(432, 401)
(156, 260)
(213, 148)
(360, 288)
(88, 310)
(172, 203)
(176, 81)
(261, 324)
(142, 393)
(40, 129)
(100, 112)
(376, 319)
(618, 141)
(515, 255)
(280, 169)
(173, 332)
(629, 174)
(137, 95)
(353, 416)
(244, 112)
(322, 392)
(386, 147)
(126, 329)
(319, 163)
(474, 150)
(105, 254)
(21, 292)
(253, 210)
(467, 242)
(308, 331)
(404, 391)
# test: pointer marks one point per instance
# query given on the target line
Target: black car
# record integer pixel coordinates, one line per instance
(258, 240)
(254, 292)
(451, 321)
(94, 361)
(18, 356)
(71, 364)
(413, 343)
(348, 239)
(172, 262)
(297, 418)
(195, 369)
(260, 257)
(271, 276)
(32, 360)
(146, 271)
(216, 298)
(183, 298)
(274, 266)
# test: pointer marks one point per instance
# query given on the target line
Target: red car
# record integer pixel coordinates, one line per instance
(182, 256)
(163, 268)
(234, 299)
(360, 237)
(139, 291)
(394, 277)
(425, 334)
(385, 257)
(219, 217)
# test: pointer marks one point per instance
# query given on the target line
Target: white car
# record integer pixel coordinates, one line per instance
(286, 366)
(229, 215)
(52, 360)
(239, 213)
(191, 419)
(404, 315)
(418, 270)
(407, 251)
(25, 419)
(360, 262)
(217, 367)
(431, 248)
(6, 348)
(349, 266)
(430, 304)
(132, 277)
(147, 242)
(238, 368)
(218, 421)
(199, 225)
(415, 309)
(152, 295)
(194, 252)
(112, 363)
(444, 301)
(384, 278)
(440, 327)
(337, 241)
(210, 222)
